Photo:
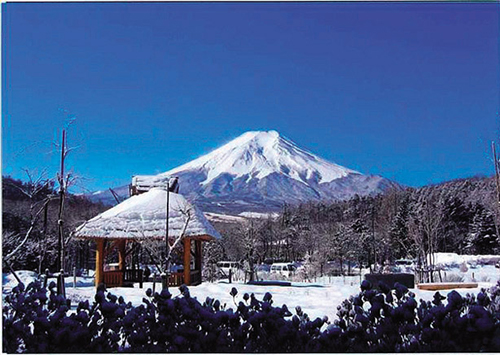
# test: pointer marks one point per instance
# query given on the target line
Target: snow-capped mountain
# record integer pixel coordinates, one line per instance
(256, 155)
(260, 171)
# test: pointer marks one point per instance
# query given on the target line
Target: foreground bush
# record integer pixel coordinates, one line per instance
(372, 321)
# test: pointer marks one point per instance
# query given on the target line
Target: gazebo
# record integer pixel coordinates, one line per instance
(142, 217)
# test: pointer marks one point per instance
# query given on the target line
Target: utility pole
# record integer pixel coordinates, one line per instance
(61, 202)
(374, 247)
(60, 222)
(497, 170)
(166, 273)
(115, 195)
(497, 181)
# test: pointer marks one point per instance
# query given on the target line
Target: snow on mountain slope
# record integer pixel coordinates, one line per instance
(259, 154)
(259, 171)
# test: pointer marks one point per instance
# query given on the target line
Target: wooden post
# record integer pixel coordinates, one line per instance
(61, 203)
(187, 261)
(166, 276)
(99, 262)
(197, 261)
(121, 255)
(46, 280)
(61, 289)
(497, 172)
(198, 253)
(497, 181)
(121, 259)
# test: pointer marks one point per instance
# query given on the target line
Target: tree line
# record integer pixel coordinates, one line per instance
(459, 216)
(30, 210)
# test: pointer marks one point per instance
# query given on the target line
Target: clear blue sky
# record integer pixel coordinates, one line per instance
(407, 91)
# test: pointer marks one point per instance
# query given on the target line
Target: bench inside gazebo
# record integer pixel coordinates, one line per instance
(143, 217)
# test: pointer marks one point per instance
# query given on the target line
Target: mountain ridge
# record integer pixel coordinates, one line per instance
(259, 171)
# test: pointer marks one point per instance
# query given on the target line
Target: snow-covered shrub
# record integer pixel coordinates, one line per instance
(484, 278)
(387, 320)
(395, 322)
(37, 323)
(452, 277)
(310, 268)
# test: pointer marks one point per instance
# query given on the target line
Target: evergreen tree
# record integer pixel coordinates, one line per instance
(361, 242)
(482, 237)
(399, 231)
(456, 220)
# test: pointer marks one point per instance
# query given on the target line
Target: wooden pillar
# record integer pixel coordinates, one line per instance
(197, 260)
(121, 260)
(121, 255)
(187, 261)
(99, 262)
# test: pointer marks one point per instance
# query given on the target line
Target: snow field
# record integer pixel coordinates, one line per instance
(317, 299)
(314, 299)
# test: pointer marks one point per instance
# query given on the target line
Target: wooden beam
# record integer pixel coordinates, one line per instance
(99, 262)
(187, 261)
(436, 286)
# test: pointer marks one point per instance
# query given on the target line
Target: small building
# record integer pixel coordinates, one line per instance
(143, 217)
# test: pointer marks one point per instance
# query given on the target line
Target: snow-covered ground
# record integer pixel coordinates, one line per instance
(450, 260)
(317, 299)
(9, 281)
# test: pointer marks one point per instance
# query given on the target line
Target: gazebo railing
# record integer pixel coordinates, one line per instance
(134, 275)
(117, 278)
(113, 278)
(195, 277)
(176, 279)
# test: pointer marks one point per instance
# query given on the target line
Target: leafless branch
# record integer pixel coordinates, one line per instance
(35, 185)
(28, 233)
(68, 150)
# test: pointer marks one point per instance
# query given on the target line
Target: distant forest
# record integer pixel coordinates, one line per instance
(459, 216)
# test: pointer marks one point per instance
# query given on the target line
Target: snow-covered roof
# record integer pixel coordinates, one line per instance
(144, 216)
(143, 183)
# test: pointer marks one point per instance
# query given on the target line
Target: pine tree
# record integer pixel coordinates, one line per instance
(362, 243)
(456, 220)
(399, 231)
(482, 237)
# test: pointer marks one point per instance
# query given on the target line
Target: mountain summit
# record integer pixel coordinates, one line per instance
(259, 171)
(256, 155)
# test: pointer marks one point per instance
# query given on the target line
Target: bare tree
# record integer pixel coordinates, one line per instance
(38, 206)
(155, 248)
(425, 230)
(246, 235)
(496, 163)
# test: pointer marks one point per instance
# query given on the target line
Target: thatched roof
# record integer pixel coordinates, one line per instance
(143, 217)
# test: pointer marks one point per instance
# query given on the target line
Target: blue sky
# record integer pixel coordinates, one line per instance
(407, 91)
